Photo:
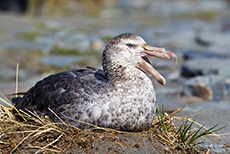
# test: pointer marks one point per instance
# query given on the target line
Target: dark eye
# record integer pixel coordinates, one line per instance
(130, 45)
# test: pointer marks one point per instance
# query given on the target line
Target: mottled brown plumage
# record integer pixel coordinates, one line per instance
(121, 96)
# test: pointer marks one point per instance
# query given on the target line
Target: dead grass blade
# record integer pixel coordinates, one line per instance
(21, 142)
(5, 142)
(56, 115)
(37, 132)
(47, 149)
(44, 148)
(178, 110)
(12, 107)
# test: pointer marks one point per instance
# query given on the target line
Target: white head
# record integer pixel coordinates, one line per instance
(131, 50)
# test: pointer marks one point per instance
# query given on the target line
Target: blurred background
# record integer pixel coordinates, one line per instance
(45, 37)
(50, 36)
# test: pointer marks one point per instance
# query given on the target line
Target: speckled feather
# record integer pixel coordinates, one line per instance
(121, 96)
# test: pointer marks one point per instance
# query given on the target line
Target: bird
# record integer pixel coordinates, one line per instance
(119, 96)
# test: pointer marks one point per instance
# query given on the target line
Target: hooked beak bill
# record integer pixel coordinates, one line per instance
(159, 53)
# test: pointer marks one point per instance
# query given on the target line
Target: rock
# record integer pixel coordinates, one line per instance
(60, 60)
(163, 36)
(162, 64)
(192, 54)
(76, 41)
(67, 40)
(131, 4)
(201, 42)
(188, 71)
(97, 45)
(17, 45)
(45, 42)
(225, 26)
(214, 147)
(171, 8)
(212, 87)
(203, 66)
(207, 6)
(9, 73)
(191, 99)
(182, 7)
(172, 75)
(216, 38)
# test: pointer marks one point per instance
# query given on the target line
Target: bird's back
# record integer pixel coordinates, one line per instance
(61, 89)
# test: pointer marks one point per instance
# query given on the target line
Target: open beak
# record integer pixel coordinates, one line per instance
(159, 53)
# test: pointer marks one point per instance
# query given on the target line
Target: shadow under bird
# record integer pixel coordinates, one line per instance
(121, 96)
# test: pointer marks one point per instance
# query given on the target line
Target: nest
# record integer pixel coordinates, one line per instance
(30, 133)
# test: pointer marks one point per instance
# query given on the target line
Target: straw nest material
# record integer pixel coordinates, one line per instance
(22, 132)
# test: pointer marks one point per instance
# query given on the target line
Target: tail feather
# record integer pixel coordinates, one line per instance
(16, 100)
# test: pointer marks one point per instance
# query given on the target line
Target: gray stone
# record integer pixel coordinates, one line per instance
(188, 71)
(205, 5)
(163, 36)
(192, 54)
(17, 44)
(203, 66)
(60, 60)
(217, 38)
(78, 41)
(137, 4)
(180, 7)
(69, 39)
(9, 73)
(212, 87)
(54, 24)
(214, 147)
(45, 42)
(170, 8)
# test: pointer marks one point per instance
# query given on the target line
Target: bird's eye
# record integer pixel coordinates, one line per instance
(130, 45)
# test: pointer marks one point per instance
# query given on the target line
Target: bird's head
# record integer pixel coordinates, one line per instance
(131, 50)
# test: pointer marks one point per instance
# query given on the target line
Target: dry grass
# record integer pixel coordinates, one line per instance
(22, 132)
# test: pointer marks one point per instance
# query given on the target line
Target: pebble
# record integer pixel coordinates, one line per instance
(214, 147)
(193, 54)
(191, 99)
(209, 88)
(60, 60)
(205, 66)
(10, 74)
